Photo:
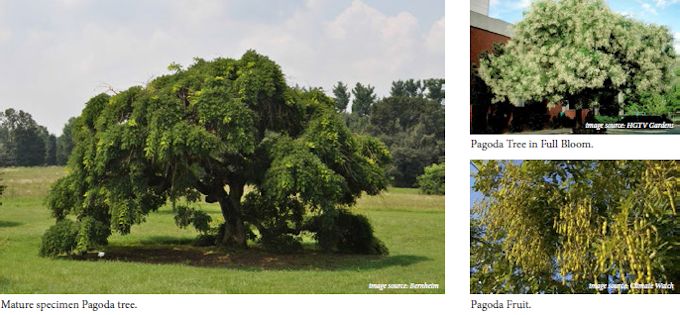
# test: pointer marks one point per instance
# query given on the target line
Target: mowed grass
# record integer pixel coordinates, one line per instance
(158, 257)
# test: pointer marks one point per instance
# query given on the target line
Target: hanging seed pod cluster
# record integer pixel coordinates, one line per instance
(562, 226)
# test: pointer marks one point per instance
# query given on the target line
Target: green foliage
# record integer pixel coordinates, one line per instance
(356, 123)
(207, 131)
(408, 88)
(22, 140)
(432, 89)
(607, 119)
(65, 142)
(30, 146)
(411, 123)
(673, 93)
(185, 216)
(91, 232)
(206, 240)
(579, 51)
(364, 97)
(341, 95)
(432, 181)
(273, 219)
(186, 268)
(51, 150)
(174, 67)
(650, 104)
(435, 90)
(345, 232)
(283, 243)
(555, 226)
(355, 235)
(60, 239)
(413, 129)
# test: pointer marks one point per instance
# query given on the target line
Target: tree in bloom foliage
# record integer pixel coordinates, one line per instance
(209, 132)
(582, 52)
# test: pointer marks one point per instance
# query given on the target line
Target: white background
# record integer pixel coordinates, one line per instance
(459, 153)
(457, 299)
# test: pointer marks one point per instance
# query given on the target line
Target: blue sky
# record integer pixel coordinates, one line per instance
(474, 195)
(56, 54)
(664, 12)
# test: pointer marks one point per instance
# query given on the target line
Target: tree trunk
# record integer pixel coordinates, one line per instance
(234, 229)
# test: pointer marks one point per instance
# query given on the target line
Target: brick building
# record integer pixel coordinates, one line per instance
(485, 31)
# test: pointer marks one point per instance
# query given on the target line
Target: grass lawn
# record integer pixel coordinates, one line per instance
(157, 257)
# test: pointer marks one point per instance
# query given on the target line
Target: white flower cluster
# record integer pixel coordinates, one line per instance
(574, 47)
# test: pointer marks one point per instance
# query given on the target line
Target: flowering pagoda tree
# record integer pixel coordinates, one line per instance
(579, 51)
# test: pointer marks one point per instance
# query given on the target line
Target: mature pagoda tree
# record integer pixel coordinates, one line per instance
(277, 160)
(557, 226)
(582, 52)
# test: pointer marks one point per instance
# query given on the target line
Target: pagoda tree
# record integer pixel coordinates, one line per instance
(558, 226)
(278, 160)
(582, 52)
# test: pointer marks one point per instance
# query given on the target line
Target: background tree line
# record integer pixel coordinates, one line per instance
(23, 142)
(410, 121)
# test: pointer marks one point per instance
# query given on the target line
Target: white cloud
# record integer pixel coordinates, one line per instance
(70, 54)
(360, 44)
(677, 42)
(523, 4)
(199, 11)
(664, 3)
(315, 4)
(627, 13)
(648, 7)
(435, 37)
(511, 4)
(5, 35)
(71, 3)
(497, 8)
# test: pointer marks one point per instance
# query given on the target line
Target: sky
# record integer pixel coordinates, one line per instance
(474, 195)
(661, 12)
(56, 54)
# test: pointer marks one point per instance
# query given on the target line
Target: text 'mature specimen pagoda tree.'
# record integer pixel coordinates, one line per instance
(277, 160)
